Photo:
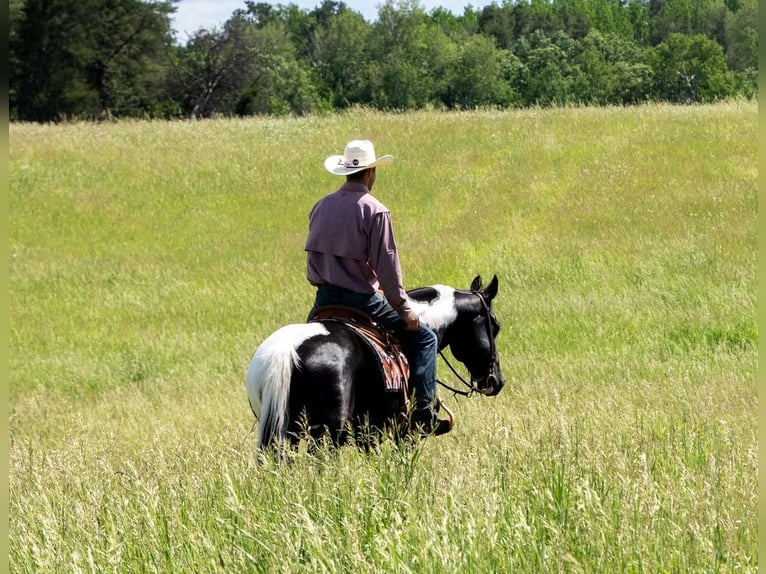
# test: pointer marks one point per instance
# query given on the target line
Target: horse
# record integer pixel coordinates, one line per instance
(319, 377)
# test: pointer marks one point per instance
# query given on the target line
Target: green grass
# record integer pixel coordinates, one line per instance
(148, 260)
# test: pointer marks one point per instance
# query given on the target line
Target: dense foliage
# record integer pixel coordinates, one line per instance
(121, 58)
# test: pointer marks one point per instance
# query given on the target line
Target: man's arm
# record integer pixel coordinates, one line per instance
(384, 260)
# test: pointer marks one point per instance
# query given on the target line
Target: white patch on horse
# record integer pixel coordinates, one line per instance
(268, 377)
(440, 312)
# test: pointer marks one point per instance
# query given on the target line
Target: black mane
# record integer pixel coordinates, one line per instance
(423, 294)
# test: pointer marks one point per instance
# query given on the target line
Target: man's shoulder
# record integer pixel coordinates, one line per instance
(344, 200)
(365, 200)
(373, 203)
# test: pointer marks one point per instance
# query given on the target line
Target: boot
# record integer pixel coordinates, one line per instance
(425, 422)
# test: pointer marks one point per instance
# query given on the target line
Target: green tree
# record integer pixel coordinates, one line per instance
(89, 58)
(260, 13)
(537, 15)
(498, 22)
(279, 83)
(301, 26)
(637, 13)
(411, 58)
(613, 70)
(691, 69)
(669, 17)
(712, 18)
(480, 76)
(457, 28)
(546, 74)
(213, 67)
(742, 53)
(578, 17)
(340, 55)
(15, 19)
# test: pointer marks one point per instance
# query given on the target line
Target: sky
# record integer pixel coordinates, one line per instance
(191, 15)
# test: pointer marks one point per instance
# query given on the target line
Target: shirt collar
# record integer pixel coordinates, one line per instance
(354, 187)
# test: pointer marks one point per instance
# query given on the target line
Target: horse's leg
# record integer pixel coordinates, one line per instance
(367, 433)
(322, 435)
(324, 384)
(342, 436)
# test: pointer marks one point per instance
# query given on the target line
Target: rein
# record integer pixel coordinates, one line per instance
(472, 388)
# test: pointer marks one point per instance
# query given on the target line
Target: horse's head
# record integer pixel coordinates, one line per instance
(472, 336)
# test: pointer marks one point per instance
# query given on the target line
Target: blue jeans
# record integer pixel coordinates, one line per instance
(421, 345)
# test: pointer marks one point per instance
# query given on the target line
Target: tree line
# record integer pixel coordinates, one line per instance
(121, 58)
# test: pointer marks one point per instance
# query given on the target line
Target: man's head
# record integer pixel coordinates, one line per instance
(365, 177)
(358, 156)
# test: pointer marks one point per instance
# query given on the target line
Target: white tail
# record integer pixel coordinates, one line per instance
(268, 378)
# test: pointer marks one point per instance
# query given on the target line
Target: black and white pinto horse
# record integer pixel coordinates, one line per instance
(318, 377)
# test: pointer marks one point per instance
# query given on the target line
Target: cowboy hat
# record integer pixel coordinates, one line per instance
(358, 155)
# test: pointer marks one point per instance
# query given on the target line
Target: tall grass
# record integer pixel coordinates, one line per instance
(148, 260)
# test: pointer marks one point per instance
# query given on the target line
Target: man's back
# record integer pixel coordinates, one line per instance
(351, 244)
(340, 223)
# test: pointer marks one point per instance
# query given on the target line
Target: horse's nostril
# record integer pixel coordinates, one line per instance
(489, 385)
(494, 384)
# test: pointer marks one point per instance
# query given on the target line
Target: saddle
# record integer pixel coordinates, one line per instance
(393, 364)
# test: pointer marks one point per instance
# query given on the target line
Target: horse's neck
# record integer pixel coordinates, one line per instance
(436, 308)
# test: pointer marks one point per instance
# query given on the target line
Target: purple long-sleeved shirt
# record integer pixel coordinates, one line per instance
(351, 244)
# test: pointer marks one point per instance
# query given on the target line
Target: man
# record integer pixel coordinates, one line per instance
(351, 254)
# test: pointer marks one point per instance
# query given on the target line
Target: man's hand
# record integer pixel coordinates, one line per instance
(411, 321)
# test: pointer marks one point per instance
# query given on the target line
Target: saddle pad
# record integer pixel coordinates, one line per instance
(392, 362)
(391, 359)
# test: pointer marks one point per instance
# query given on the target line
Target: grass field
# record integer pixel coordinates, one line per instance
(148, 260)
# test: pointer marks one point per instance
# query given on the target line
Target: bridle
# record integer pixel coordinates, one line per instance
(472, 388)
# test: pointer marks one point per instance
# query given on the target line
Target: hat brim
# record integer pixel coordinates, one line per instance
(334, 164)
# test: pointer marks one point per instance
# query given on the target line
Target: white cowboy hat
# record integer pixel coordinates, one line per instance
(358, 155)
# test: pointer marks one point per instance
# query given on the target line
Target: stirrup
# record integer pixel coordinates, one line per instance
(450, 415)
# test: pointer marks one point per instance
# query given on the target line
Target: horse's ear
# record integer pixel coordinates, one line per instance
(491, 290)
(476, 283)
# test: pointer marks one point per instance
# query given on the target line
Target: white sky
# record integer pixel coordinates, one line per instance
(191, 15)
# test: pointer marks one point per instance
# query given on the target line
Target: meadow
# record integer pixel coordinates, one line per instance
(147, 260)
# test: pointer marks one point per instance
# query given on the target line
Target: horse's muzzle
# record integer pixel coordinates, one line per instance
(492, 385)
